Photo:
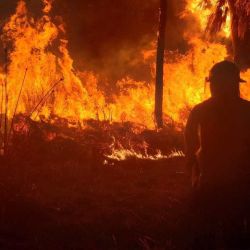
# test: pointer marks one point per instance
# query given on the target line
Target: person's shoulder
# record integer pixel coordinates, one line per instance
(203, 106)
(245, 102)
(200, 110)
(245, 105)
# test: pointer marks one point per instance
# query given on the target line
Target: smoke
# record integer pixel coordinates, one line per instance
(109, 36)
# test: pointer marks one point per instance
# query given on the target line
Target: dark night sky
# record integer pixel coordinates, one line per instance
(101, 32)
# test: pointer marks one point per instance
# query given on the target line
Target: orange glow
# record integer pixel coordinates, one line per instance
(202, 10)
(77, 97)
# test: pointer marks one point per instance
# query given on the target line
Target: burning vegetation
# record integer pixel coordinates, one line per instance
(39, 81)
(40, 46)
(66, 133)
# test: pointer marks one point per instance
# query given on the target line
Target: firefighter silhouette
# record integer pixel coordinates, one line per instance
(217, 139)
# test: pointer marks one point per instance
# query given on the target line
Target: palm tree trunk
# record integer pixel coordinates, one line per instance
(160, 65)
(241, 46)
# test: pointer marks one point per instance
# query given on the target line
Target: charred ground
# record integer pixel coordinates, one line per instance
(60, 192)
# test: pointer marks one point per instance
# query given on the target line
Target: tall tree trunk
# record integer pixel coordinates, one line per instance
(160, 64)
(6, 102)
(241, 46)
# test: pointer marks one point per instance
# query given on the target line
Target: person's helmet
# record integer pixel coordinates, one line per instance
(225, 71)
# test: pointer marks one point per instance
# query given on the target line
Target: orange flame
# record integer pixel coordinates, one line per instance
(78, 96)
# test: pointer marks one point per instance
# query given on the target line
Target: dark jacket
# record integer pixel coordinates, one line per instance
(218, 140)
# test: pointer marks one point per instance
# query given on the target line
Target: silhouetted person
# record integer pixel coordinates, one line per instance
(218, 148)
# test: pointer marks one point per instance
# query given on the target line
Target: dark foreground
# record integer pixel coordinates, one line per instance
(57, 193)
(130, 205)
(136, 205)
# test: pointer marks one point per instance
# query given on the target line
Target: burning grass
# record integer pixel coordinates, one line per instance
(66, 198)
(37, 51)
(80, 169)
(61, 187)
(110, 141)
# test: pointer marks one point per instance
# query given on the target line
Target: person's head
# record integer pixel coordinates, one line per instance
(224, 80)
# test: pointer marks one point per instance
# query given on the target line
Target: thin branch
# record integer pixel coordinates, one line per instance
(18, 99)
(45, 97)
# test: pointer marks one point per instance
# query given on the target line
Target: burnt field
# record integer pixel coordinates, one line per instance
(60, 190)
(139, 205)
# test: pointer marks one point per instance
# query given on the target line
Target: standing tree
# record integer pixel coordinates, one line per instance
(160, 64)
(239, 11)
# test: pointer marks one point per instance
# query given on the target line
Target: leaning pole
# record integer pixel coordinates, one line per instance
(160, 64)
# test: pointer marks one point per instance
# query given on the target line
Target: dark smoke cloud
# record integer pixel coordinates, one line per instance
(107, 36)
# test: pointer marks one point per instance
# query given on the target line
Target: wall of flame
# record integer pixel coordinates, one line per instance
(41, 46)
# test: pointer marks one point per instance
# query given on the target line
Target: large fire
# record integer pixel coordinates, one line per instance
(38, 58)
(202, 11)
